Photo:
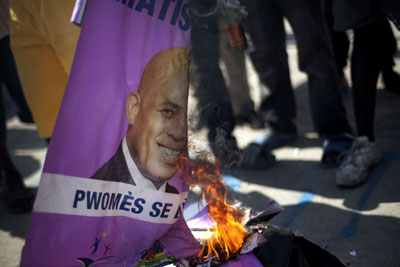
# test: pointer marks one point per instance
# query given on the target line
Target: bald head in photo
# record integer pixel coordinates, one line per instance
(157, 115)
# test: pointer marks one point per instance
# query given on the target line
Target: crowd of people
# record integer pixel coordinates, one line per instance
(321, 32)
(43, 44)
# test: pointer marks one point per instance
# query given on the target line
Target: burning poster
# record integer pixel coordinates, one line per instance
(112, 192)
(109, 191)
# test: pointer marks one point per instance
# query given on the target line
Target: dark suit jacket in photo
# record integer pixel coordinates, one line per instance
(116, 170)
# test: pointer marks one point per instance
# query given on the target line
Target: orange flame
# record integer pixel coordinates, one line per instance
(229, 234)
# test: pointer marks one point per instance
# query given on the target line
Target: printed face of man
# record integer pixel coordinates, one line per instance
(158, 135)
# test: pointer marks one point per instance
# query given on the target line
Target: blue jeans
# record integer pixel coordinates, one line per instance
(264, 23)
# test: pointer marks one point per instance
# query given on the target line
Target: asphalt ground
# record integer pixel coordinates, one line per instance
(361, 226)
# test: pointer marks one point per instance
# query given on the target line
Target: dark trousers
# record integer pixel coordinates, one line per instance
(9, 77)
(211, 91)
(374, 47)
(264, 24)
(340, 41)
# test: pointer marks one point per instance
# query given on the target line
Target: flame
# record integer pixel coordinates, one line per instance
(229, 234)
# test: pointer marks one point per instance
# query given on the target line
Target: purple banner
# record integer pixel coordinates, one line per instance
(115, 44)
(111, 220)
(110, 192)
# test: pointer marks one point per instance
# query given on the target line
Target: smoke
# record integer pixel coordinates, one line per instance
(233, 5)
(224, 5)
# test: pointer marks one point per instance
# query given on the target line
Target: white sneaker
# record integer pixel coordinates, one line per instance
(354, 169)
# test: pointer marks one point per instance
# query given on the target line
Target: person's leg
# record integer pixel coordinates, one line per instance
(340, 44)
(11, 80)
(13, 178)
(237, 83)
(18, 198)
(211, 92)
(264, 23)
(238, 87)
(316, 59)
(367, 60)
(340, 41)
(3, 126)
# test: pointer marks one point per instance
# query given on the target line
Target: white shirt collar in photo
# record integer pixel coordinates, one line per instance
(139, 179)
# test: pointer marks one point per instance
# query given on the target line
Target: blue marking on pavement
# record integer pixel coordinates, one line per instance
(305, 199)
(376, 176)
(260, 139)
(232, 182)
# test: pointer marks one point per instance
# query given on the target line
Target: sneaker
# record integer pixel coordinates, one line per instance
(354, 168)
